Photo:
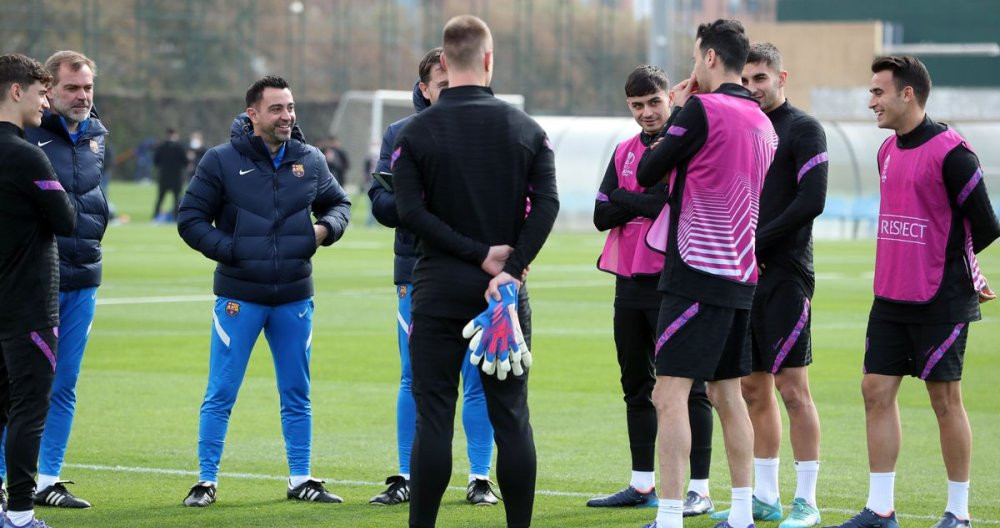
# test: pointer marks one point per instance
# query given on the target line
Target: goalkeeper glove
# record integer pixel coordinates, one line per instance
(497, 341)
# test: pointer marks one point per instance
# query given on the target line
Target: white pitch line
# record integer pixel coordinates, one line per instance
(155, 300)
(257, 476)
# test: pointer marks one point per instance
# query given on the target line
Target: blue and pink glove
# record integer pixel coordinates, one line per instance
(497, 341)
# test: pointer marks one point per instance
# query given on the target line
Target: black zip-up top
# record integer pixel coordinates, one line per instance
(33, 209)
(793, 196)
(463, 170)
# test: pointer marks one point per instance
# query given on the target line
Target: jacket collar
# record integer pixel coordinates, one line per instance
(242, 138)
(466, 92)
(52, 123)
(6, 127)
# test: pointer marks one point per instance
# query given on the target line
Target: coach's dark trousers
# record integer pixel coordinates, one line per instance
(27, 366)
(437, 350)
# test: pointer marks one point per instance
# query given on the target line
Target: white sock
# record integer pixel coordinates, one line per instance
(670, 514)
(643, 481)
(405, 475)
(741, 509)
(880, 493)
(765, 474)
(478, 477)
(45, 481)
(958, 499)
(296, 480)
(807, 471)
(699, 486)
(21, 518)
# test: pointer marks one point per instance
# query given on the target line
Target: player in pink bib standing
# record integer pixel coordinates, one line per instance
(714, 153)
(626, 211)
(934, 217)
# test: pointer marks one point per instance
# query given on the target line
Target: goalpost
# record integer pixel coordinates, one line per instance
(362, 117)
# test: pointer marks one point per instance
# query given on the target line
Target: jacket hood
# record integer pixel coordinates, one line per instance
(419, 101)
(241, 136)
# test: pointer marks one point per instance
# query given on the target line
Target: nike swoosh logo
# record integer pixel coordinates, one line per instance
(242, 172)
(303, 314)
(43, 143)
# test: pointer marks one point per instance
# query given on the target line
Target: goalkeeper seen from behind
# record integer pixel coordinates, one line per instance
(464, 191)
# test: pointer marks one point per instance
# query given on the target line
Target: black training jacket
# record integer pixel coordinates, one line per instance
(33, 209)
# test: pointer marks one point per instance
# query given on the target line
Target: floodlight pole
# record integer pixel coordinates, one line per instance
(661, 25)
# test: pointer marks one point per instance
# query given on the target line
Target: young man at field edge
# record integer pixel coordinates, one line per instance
(626, 211)
(780, 319)
(715, 152)
(33, 209)
(934, 216)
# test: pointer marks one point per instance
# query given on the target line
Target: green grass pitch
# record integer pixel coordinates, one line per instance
(133, 451)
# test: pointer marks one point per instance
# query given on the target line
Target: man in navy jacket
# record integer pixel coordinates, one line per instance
(72, 137)
(248, 208)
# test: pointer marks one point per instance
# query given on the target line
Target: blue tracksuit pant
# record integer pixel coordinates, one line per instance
(478, 430)
(235, 327)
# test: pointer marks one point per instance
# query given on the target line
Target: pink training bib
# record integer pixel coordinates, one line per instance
(625, 253)
(718, 218)
(914, 221)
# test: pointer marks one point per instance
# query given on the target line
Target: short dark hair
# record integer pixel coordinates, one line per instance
(466, 38)
(728, 39)
(431, 59)
(906, 71)
(22, 70)
(764, 52)
(644, 80)
(74, 59)
(256, 90)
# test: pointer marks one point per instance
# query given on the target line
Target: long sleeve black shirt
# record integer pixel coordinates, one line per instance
(793, 196)
(33, 209)
(463, 171)
(956, 300)
(620, 208)
(675, 152)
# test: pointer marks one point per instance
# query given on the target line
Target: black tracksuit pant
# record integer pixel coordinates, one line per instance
(168, 184)
(437, 350)
(27, 366)
(635, 337)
